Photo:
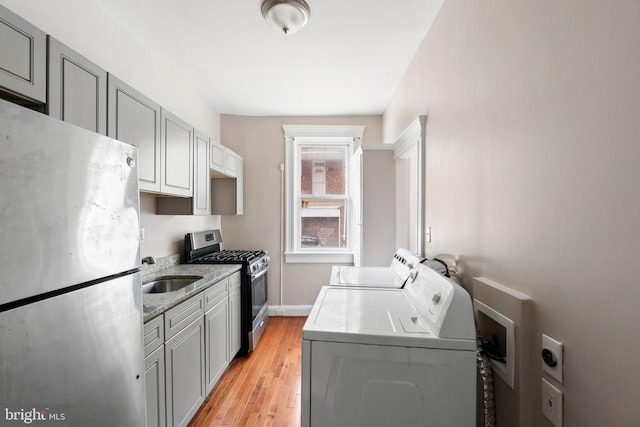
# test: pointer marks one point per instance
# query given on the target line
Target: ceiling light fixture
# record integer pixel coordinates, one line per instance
(287, 16)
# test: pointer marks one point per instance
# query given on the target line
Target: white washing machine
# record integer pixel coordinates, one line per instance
(390, 357)
(393, 276)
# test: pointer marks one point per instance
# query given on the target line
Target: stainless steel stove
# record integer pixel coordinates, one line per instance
(204, 248)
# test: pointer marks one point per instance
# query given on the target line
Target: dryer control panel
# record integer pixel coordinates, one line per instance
(432, 294)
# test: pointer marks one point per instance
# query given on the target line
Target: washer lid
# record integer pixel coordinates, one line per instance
(378, 316)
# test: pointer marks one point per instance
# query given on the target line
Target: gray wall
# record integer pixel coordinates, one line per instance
(260, 140)
(533, 165)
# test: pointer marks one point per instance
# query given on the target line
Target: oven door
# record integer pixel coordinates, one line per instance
(259, 292)
(259, 309)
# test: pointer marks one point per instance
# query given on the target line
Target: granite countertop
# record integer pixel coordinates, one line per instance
(156, 304)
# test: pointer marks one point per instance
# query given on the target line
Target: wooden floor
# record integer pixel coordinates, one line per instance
(262, 389)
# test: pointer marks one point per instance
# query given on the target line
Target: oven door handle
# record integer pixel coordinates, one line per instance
(261, 273)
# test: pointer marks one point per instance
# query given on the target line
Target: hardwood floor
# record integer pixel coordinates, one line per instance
(262, 389)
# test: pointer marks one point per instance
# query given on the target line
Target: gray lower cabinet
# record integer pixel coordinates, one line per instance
(187, 349)
(135, 119)
(234, 315)
(217, 342)
(23, 56)
(185, 373)
(154, 372)
(77, 88)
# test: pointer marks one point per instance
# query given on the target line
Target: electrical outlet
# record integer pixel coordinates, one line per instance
(141, 234)
(552, 403)
(554, 351)
(427, 234)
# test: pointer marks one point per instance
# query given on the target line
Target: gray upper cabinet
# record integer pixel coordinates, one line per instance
(176, 154)
(22, 57)
(199, 204)
(239, 185)
(217, 154)
(201, 192)
(135, 119)
(77, 89)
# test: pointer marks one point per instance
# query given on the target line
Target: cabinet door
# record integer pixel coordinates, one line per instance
(135, 119)
(201, 192)
(154, 385)
(217, 157)
(77, 89)
(216, 342)
(185, 373)
(23, 54)
(234, 316)
(176, 154)
(230, 166)
(239, 185)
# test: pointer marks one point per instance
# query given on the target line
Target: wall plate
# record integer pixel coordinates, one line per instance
(551, 403)
(557, 349)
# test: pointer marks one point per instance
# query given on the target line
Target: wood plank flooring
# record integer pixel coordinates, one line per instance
(262, 389)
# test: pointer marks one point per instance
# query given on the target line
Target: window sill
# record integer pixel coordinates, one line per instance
(319, 258)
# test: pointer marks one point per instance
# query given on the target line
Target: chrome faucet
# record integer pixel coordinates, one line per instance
(148, 260)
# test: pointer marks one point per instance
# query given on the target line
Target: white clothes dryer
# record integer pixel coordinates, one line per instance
(380, 357)
(393, 276)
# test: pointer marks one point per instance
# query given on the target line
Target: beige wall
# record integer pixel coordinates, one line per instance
(378, 207)
(533, 165)
(260, 140)
(164, 234)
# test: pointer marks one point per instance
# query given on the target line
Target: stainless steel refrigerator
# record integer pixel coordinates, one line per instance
(71, 348)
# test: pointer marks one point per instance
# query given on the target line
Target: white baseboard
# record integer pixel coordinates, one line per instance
(289, 310)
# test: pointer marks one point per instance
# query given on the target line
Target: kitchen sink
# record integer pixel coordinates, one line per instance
(168, 284)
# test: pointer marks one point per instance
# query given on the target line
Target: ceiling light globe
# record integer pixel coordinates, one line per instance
(288, 16)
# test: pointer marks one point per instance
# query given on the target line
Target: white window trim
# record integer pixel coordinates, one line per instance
(325, 134)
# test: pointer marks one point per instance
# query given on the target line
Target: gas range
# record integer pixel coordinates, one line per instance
(257, 260)
(204, 248)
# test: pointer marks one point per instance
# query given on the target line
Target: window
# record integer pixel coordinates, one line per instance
(323, 193)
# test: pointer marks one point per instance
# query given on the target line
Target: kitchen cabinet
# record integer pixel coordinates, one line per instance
(234, 315)
(216, 322)
(239, 185)
(176, 155)
(23, 55)
(184, 361)
(230, 164)
(187, 349)
(200, 203)
(217, 157)
(227, 194)
(201, 181)
(154, 372)
(154, 369)
(77, 88)
(223, 162)
(135, 119)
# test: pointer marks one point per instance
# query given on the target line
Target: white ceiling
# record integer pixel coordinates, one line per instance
(349, 59)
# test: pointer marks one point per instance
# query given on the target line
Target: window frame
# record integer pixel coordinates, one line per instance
(297, 136)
